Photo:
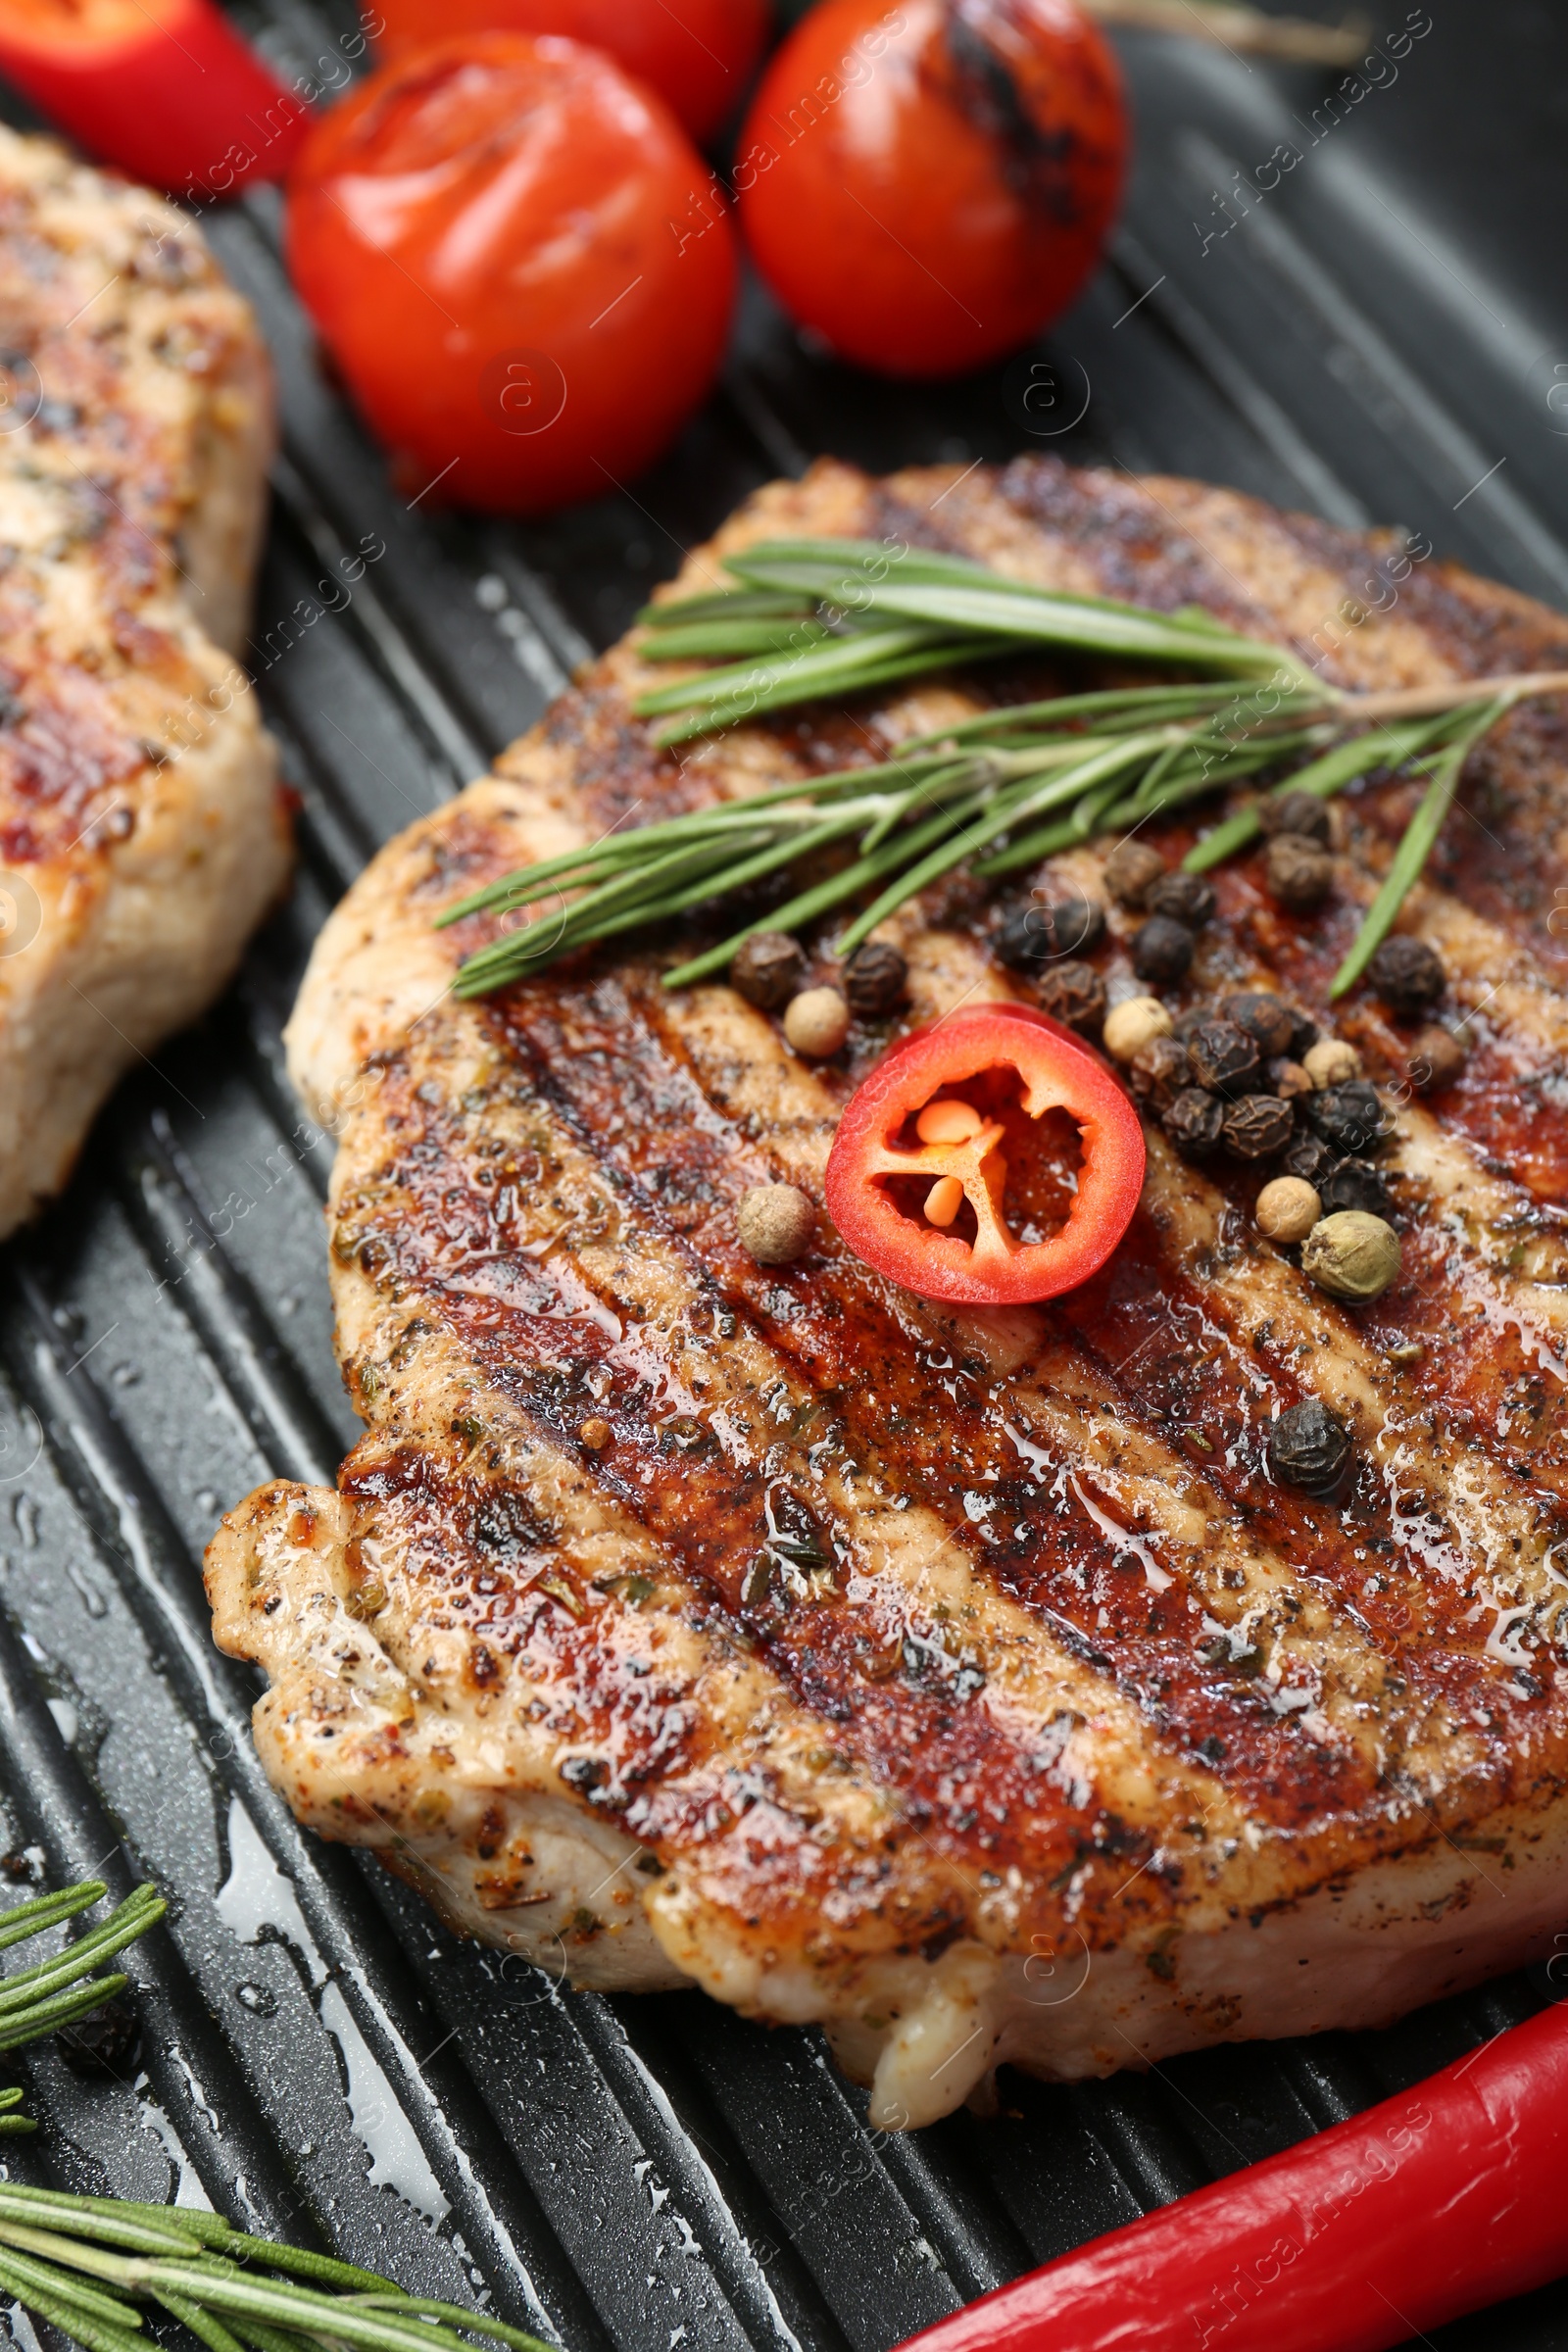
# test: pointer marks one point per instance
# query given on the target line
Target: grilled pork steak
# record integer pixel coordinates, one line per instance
(962, 1681)
(142, 832)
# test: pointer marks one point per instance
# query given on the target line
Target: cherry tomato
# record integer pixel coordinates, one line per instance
(699, 55)
(521, 265)
(929, 185)
(917, 1179)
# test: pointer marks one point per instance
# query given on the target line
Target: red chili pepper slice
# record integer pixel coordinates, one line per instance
(165, 90)
(1011, 1060)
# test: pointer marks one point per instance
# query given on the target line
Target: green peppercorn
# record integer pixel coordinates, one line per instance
(1352, 1255)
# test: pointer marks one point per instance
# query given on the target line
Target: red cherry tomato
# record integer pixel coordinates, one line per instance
(521, 265)
(929, 185)
(918, 1179)
(699, 55)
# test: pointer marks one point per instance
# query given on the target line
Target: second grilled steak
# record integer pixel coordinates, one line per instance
(962, 1681)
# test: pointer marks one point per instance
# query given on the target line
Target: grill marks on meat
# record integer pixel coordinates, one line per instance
(874, 1623)
(142, 832)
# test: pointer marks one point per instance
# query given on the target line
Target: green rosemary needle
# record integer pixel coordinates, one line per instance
(998, 791)
(87, 2263)
(38, 2000)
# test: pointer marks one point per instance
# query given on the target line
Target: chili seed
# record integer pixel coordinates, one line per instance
(768, 969)
(1309, 1446)
(948, 1122)
(1163, 950)
(943, 1200)
(1407, 975)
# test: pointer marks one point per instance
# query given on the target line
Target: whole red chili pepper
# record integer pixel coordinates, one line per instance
(165, 90)
(1438, 2202)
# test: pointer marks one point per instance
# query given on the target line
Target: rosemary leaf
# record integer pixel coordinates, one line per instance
(95, 2334)
(203, 2326)
(727, 640)
(47, 1911)
(825, 668)
(1420, 836)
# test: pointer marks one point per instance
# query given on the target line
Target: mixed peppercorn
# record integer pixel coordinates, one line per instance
(1246, 1075)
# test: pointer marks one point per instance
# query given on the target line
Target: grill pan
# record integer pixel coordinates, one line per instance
(1370, 340)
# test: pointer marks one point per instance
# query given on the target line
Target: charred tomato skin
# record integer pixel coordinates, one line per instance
(928, 187)
(698, 56)
(521, 265)
(1062, 1073)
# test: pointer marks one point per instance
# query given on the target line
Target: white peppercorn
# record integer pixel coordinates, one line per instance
(1286, 1210)
(775, 1222)
(816, 1021)
(1134, 1023)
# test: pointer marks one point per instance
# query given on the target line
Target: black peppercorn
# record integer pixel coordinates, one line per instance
(1299, 812)
(1299, 874)
(876, 979)
(100, 2042)
(1186, 897)
(1129, 870)
(1073, 992)
(1268, 1018)
(1159, 1072)
(1163, 950)
(1224, 1058)
(1258, 1126)
(1303, 1036)
(1349, 1117)
(1354, 1184)
(1407, 975)
(1309, 1446)
(1041, 929)
(1307, 1157)
(1194, 1122)
(769, 969)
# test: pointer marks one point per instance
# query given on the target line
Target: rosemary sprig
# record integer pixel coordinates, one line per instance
(817, 616)
(38, 2000)
(997, 792)
(85, 2264)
